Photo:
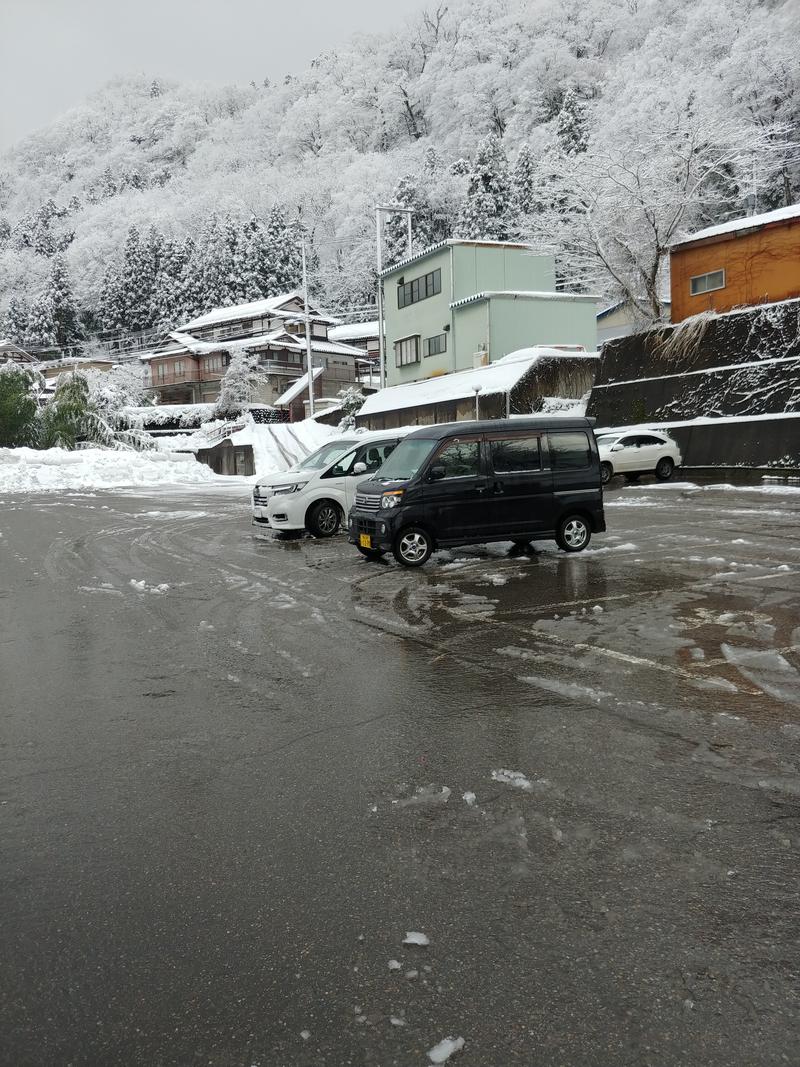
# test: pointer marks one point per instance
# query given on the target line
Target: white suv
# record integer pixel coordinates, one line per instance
(317, 493)
(637, 452)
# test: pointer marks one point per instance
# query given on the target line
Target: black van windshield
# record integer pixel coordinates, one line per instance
(406, 460)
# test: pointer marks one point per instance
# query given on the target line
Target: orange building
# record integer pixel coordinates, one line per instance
(748, 261)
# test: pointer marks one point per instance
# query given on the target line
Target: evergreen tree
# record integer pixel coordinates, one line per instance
(111, 307)
(41, 329)
(167, 296)
(15, 321)
(59, 291)
(189, 297)
(489, 205)
(523, 181)
(136, 282)
(572, 127)
(426, 228)
(283, 241)
(17, 406)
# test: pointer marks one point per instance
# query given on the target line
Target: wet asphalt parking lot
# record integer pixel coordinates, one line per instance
(236, 771)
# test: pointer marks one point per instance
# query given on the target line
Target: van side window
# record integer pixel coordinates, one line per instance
(460, 459)
(569, 451)
(514, 454)
(343, 466)
(374, 455)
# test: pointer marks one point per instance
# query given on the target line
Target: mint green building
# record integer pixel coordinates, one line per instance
(461, 304)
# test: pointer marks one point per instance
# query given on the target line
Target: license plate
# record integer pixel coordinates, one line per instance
(365, 540)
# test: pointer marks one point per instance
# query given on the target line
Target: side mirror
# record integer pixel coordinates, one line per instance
(435, 474)
(359, 468)
(617, 448)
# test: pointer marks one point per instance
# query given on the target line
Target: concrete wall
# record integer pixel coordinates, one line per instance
(760, 267)
(736, 366)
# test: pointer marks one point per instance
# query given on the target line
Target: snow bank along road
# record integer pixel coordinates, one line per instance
(266, 803)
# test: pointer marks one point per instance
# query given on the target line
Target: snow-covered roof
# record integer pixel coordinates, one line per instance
(447, 244)
(624, 303)
(354, 331)
(524, 294)
(498, 377)
(740, 225)
(277, 338)
(273, 305)
(296, 388)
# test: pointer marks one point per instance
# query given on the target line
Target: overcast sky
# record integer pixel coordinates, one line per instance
(54, 52)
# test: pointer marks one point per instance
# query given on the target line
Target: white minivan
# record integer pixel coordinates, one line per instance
(317, 493)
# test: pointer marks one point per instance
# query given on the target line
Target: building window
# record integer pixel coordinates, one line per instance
(212, 363)
(420, 289)
(177, 366)
(406, 351)
(434, 346)
(162, 372)
(707, 283)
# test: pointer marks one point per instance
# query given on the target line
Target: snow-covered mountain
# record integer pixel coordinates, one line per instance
(612, 125)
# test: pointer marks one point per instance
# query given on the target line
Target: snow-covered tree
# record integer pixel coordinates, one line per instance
(239, 385)
(572, 128)
(59, 291)
(351, 401)
(488, 211)
(15, 320)
(41, 328)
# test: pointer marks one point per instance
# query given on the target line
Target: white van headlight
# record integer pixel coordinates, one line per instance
(279, 490)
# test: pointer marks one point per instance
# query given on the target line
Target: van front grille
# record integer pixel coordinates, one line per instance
(368, 502)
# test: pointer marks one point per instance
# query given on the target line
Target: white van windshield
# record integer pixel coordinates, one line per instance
(406, 460)
(323, 456)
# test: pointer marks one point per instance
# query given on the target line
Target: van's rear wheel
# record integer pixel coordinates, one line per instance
(606, 473)
(413, 546)
(323, 519)
(371, 553)
(664, 469)
(573, 533)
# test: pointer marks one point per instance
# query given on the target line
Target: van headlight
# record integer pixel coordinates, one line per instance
(391, 500)
(282, 490)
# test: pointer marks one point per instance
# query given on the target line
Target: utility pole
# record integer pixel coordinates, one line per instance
(309, 357)
(380, 210)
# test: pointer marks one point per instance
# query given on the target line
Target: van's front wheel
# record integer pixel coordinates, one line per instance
(573, 533)
(323, 519)
(412, 546)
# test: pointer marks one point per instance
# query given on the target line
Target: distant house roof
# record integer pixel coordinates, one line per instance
(447, 244)
(14, 352)
(623, 303)
(522, 294)
(354, 331)
(295, 389)
(186, 344)
(273, 305)
(498, 377)
(741, 225)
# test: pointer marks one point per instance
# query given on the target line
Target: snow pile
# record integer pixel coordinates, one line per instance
(30, 470)
(515, 778)
(277, 446)
(442, 1052)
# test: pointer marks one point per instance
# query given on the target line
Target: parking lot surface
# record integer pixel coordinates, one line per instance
(237, 771)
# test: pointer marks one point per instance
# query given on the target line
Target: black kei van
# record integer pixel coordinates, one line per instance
(520, 480)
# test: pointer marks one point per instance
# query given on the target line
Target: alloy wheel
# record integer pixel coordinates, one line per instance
(413, 547)
(575, 532)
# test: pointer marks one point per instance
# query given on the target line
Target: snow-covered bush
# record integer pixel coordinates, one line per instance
(239, 385)
(350, 402)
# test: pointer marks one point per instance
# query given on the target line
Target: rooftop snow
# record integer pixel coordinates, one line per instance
(354, 331)
(296, 388)
(273, 305)
(499, 377)
(525, 294)
(278, 338)
(752, 222)
(448, 244)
